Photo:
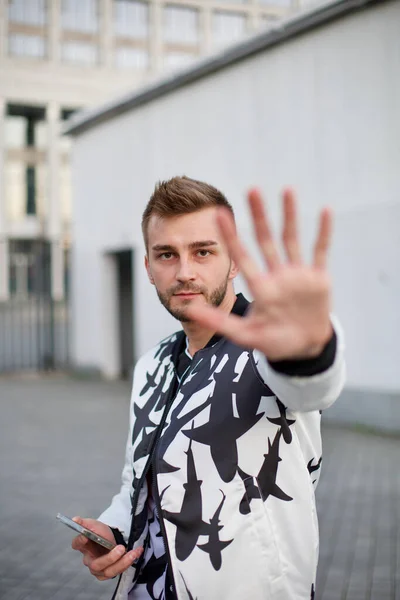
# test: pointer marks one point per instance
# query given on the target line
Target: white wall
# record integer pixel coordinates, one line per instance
(320, 112)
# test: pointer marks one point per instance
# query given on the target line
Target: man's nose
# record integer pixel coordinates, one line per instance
(185, 271)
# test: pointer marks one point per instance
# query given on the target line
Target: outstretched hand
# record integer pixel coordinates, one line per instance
(289, 318)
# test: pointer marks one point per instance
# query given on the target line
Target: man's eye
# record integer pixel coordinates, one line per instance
(165, 255)
(203, 253)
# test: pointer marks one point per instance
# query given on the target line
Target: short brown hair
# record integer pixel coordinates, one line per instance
(180, 196)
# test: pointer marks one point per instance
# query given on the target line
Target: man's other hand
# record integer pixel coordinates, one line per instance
(102, 563)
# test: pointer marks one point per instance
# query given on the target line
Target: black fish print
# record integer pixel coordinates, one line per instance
(143, 446)
(139, 521)
(151, 380)
(214, 546)
(155, 402)
(222, 440)
(311, 468)
(151, 573)
(142, 416)
(165, 467)
(266, 478)
(223, 429)
(188, 520)
(162, 394)
(165, 348)
(135, 482)
(283, 422)
(172, 430)
(247, 399)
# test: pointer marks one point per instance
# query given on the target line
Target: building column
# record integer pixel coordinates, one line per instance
(155, 35)
(4, 266)
(54, 30)
(206, 42)
(106, 33)
(54, 229)
(253, 19)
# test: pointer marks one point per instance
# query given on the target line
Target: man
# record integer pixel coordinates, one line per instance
(224, 445)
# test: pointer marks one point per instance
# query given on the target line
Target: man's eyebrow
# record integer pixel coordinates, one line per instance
(192, 246)
(202, 244)
(162, 248)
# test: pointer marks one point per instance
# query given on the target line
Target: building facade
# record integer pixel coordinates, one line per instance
(57, 57)
(313, 104)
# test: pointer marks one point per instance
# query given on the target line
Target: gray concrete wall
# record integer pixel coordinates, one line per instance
(373, 409)
(320, 112)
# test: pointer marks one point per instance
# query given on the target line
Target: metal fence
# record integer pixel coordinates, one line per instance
(33, 327)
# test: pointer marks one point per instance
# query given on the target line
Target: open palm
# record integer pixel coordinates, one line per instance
(289, 317)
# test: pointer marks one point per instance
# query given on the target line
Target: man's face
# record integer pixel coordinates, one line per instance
(187, 261)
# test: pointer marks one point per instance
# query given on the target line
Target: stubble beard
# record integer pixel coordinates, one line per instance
(215, 298)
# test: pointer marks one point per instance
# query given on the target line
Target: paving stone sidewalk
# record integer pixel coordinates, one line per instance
(61, 450)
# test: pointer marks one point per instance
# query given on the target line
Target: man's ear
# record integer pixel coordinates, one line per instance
(147, 265)
(233, 271)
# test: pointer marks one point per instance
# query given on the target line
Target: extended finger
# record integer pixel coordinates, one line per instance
(238, 252)
(101, 563)
(228, 325)
(323, 239)
(123, 564)
(263, 230)
(290, 234)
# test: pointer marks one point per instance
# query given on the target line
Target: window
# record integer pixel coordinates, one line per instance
(131, 19)
(25, 189)
(25, 126)
(30, 190)
(20, 44)
(15, 190)
(26, 28)
(25, 175)
(79, 15)
(79, 21)
(29, 268)
(228, 27)
(82, 53)
(181, 25)
(28, 12)
(131, 24)
(176, 60)
(131, 58)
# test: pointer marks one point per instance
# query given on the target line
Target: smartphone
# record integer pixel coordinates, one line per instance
(91, 535)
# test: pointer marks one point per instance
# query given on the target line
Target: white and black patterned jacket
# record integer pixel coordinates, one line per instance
(235, 449)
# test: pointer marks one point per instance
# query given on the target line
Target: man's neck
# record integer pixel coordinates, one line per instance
(198, 336)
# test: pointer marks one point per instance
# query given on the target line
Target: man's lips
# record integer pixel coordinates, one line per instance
(188, 294)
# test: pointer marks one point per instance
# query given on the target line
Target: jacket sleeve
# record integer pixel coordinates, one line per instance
(118, 514)
(307, 393)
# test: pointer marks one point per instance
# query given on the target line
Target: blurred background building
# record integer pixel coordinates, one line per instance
(56, 57)
(313, 103)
